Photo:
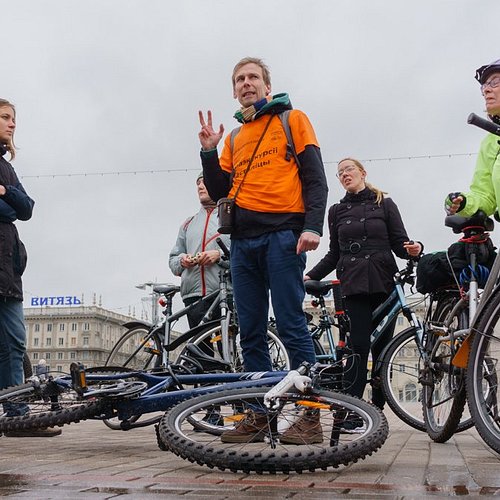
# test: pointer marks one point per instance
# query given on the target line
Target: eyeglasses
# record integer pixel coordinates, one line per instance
(493, 84)
(346, 170)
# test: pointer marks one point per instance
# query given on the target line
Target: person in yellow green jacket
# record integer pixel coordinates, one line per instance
(484, 193)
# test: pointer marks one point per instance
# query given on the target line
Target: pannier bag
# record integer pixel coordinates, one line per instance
(434, 271)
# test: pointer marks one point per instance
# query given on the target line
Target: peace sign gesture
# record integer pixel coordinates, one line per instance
(209, 138)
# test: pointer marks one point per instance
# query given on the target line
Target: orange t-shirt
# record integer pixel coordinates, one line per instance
(273, 183)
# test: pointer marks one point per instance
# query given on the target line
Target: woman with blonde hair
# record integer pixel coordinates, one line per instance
(365, 230)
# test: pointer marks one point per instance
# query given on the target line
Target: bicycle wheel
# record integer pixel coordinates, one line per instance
(210, 340)
(27, 368)
(444, 308)
(47, 405)
(443, 385)
(483, 371)
(332, 446)
(138, 349)
(400, 365)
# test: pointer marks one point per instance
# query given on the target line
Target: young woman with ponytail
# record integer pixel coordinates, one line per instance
(366, 230)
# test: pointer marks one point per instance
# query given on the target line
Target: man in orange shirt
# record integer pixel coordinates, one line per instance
(278, 216)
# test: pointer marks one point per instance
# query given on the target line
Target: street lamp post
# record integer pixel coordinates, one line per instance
(154, 302)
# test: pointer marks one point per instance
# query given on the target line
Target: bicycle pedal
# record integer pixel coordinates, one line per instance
(78, 378)
(440, 331)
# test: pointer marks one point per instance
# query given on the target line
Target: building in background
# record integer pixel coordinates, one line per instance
(63, 335)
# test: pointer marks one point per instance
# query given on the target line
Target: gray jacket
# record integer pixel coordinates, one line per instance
(197, 234)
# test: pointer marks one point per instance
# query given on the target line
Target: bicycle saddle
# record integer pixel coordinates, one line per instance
(318, 288)
(166, 289)
(459, 223)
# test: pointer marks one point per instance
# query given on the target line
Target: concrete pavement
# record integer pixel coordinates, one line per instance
(90, 461)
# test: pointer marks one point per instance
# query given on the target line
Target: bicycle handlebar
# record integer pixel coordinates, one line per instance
(491, 127)
(406, 275)
(223, 247)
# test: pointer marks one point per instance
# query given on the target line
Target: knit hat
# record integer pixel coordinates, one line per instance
(200, 176)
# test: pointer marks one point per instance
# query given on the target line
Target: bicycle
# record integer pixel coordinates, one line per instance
(143, 347)
(480, 351)
(443, 384)
(192, 429)
(399, 365)
(213, 345)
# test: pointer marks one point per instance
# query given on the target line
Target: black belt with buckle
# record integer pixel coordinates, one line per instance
(356, 247)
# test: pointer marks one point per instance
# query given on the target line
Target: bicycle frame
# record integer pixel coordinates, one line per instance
(217, 297)
(163, 390)
(325, 326)
(163, 329)
(394, 304)
(492, 284)
(475, 305)
(390, 308)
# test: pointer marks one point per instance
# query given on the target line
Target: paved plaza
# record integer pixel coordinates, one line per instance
(91, 461)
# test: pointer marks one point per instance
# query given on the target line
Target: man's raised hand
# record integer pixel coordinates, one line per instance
(209, 138)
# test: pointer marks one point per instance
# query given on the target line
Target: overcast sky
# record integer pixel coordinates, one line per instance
(111, 89)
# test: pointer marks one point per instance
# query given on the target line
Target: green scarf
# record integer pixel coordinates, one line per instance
(245, 115)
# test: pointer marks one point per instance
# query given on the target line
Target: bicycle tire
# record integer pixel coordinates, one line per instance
(400, 380)
(27, 367)
(483, 372)
(279, 355)
(178, 435)
(45, 413)
(139, 348)
(443, 392)
(466, 421)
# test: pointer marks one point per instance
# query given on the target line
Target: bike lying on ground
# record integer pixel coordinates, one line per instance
(207, 410)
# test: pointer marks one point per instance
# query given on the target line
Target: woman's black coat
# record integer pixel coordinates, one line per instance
(14, 204)
(363, 236)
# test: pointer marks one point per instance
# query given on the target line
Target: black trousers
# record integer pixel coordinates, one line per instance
(360, 309)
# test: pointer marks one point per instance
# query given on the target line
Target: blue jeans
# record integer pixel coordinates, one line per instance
(259, 265)
(12, 345)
